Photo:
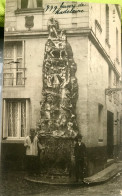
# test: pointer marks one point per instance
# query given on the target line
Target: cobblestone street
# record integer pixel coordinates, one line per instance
(14, 184)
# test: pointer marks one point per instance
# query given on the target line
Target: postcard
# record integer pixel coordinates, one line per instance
(61, 98)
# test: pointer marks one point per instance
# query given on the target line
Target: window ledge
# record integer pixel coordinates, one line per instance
(107, 42)
(29, 10)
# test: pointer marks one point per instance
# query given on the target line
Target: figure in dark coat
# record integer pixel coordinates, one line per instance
(80, 158)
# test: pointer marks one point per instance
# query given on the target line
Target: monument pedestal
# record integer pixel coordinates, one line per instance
(56, 159)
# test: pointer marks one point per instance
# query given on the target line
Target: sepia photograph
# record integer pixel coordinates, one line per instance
(61, 106)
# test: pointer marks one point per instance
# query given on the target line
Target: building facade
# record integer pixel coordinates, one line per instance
(94, 33)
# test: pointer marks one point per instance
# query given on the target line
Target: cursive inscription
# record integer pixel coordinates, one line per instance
(65, 9)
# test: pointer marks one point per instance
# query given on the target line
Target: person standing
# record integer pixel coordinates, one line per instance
(31, 145)
(41, 148)
(80, 158)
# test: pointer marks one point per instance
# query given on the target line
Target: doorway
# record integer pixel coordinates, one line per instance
(110, 137)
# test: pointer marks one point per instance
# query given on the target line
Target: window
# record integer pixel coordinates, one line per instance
(109, 77)
(100, 122)
(29, 4)
(107, 22)
(117, 49)
(15, 115)
(13, 70)
(110, 82)
(116, 98)
(115, 80)
(98, 26)
(107, 25)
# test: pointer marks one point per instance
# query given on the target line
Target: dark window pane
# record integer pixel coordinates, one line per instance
(24, 3)
(39, 3)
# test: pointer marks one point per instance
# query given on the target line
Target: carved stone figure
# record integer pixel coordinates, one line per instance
(60, 88)
(53, 28)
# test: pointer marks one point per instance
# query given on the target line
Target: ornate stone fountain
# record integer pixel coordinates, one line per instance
(58, 125)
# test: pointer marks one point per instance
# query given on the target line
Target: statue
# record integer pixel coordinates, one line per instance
(53, 28)
(60, 88)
